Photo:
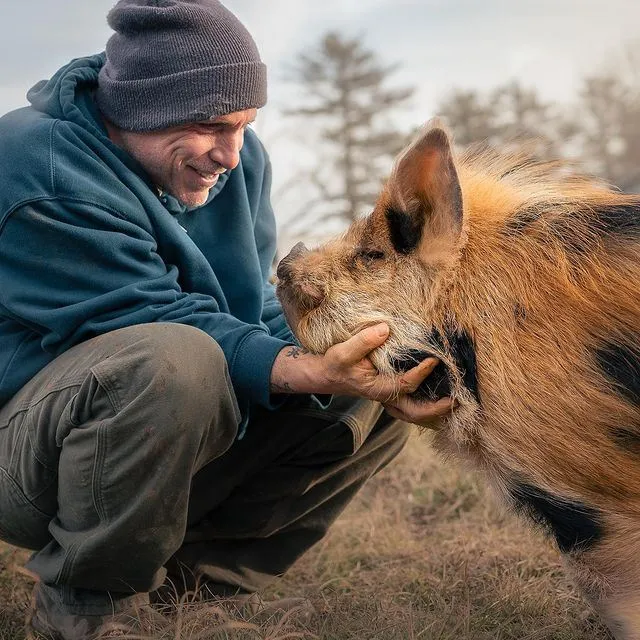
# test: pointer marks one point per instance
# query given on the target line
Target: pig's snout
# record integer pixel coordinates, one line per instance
(284, 267)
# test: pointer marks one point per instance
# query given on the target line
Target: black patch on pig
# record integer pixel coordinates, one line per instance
(575, 526)
(621, 365)
(627, 439)
(606, 222)
(521, 221)
(438, 384)
(435, 386)
(619, 220)
(405, 230)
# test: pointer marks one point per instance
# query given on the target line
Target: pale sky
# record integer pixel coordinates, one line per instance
(440, 44)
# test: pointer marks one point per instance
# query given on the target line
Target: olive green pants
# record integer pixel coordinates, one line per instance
(121, 457)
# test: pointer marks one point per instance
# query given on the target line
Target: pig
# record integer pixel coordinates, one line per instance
(523, 277)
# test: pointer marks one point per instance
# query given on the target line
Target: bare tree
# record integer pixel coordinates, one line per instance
(520, 114)
(508, 114)
(610, 122)
(345, 95)
(470, 116)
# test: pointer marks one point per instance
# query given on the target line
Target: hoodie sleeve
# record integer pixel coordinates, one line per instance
(266, 243)
(45, 250)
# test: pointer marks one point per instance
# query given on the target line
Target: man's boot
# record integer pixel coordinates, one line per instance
(48, 620)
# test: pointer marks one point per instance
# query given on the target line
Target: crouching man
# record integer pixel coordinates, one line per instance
(156, 414)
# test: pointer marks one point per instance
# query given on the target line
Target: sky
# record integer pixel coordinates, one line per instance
(439, 45)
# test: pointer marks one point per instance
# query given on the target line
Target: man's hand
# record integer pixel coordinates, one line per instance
(423, 413)
(345, 369)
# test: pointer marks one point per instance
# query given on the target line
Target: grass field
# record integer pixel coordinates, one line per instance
(422, 553)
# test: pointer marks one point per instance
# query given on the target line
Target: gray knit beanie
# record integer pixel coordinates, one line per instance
(170, 62)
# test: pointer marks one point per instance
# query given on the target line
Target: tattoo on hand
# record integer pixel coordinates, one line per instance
(296, 352)
(281, 388)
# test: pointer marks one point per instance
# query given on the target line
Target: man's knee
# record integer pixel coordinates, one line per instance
(184, 361)
(175, 373)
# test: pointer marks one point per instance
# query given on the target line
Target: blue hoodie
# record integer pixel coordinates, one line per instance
(87, 245)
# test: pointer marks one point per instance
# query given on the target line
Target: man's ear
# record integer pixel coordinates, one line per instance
(423, 199)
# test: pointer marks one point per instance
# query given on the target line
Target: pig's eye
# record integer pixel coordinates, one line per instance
(369, 255)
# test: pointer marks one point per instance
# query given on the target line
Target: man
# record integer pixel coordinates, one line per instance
(155, 411)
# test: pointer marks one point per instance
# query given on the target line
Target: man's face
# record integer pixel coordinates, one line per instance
(187, 160)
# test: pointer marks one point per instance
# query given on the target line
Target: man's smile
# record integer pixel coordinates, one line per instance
(206, 178)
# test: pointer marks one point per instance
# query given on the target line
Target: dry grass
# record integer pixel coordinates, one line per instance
(422, 553)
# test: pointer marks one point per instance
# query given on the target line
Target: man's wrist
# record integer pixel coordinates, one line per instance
(296, 370)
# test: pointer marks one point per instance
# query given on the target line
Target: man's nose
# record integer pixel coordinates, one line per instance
(227, 151)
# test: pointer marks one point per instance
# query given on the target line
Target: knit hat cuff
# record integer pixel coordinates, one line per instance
(147, 104)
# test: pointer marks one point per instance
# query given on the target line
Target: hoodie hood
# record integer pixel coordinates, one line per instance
(69, 95)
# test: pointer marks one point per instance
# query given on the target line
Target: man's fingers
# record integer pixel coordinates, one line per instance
(360, 345)
(428, 411)
(420, 413)
(439, 408)
(412, 378)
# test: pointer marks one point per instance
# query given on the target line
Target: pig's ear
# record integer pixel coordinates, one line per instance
(423, 203)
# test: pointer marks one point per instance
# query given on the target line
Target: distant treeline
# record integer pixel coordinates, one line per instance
(347, 100)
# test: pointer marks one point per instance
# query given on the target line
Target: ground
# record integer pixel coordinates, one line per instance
(423, 553)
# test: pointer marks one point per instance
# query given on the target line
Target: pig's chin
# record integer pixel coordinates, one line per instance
(321, 328)
(315, 333)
